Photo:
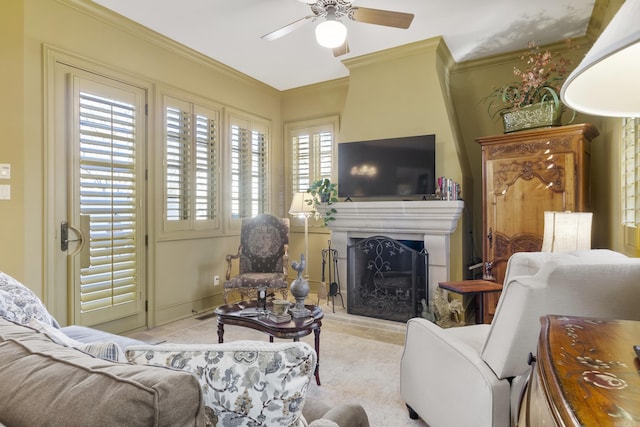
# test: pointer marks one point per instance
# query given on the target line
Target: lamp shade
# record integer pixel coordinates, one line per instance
(566, 231)
(605, 83)
(299, 205)
(331, 33)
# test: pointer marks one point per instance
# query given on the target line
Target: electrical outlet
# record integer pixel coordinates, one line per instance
(216, 280)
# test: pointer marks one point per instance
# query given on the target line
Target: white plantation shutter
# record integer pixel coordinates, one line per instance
(302, 159)
(178, 164)
(249, 191)
(108, 196)
(205, 167)
(312, 155)
(631, 174)
(258, 173)
(191, 162)
(631, 186)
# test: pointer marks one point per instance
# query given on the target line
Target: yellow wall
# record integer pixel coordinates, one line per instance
(472, 81)
(397, 92)
(12, 212)
(404, 92)
(180, 269)
(306, 103)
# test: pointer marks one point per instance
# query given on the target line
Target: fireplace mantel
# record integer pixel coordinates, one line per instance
(432, 221)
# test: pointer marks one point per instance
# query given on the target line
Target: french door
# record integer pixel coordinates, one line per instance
(100, 198)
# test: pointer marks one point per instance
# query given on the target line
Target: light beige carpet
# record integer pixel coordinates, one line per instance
(359, 359)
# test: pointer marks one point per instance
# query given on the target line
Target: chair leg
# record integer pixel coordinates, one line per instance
(412, 414)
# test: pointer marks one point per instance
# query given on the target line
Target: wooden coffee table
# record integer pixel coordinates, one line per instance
(241, 314)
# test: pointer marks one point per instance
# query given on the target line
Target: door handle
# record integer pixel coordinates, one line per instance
(82, 232)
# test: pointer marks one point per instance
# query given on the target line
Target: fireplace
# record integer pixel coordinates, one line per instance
(429, 221)
(386, 278)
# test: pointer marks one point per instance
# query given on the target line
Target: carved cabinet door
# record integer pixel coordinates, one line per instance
(524, 174)
(521, 189)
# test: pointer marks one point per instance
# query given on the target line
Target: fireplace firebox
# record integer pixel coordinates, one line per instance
(387, 278)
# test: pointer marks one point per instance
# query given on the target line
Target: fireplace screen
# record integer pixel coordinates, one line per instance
(386, 278)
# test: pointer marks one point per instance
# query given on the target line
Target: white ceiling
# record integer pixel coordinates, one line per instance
(229, 31)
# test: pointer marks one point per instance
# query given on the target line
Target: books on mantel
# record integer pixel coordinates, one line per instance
(279, 318)
(447, 189)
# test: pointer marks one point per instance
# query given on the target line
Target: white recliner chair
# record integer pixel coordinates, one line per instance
(475, 375)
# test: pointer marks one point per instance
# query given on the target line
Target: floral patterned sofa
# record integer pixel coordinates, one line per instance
(59, 380)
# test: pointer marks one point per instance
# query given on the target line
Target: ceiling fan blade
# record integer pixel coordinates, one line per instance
(342, 49)
(283, 31)
(381, 17)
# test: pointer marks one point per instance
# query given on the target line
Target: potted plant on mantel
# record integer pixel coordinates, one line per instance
(323, 194)
(534, 100)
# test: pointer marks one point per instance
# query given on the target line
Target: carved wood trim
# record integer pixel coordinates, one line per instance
(541, 146)
(549, 172)
(505, 245)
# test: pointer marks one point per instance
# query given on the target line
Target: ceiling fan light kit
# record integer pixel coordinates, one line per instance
(332, 33)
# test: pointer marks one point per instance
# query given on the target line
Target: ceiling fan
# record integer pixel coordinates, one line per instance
(331, 32)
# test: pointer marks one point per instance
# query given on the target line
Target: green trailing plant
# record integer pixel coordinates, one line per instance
(324, 193)
(540, 81)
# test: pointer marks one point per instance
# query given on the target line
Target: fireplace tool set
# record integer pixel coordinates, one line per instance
(329, 260)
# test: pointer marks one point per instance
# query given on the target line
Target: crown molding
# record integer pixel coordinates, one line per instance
(436, 44)
(139, 31)
(515, 56)
(340, 83)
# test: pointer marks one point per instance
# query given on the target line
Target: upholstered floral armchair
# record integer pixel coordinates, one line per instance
(263, 257)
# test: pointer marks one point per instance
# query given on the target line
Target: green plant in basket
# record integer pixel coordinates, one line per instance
(324, 193)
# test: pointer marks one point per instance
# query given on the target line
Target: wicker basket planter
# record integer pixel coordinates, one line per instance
(542, 114)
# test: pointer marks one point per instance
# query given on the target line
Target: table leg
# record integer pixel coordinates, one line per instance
(220, 332)
(480, 305)
(316, 333)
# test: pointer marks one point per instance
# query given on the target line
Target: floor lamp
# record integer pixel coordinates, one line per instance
(302, 209)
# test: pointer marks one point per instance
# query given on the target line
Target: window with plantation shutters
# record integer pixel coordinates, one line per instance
(312, 147)
(108, 199)
(631, 172)
(312, 158)
(630, 196)
(191, 162)
(249, 190)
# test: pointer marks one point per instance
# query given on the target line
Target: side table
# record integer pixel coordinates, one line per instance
(474, 287)
(241, 315)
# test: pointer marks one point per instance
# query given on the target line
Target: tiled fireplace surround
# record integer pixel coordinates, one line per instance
(431, 221)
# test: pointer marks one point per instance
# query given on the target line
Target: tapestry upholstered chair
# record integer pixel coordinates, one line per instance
(475, 375)
(263, 257)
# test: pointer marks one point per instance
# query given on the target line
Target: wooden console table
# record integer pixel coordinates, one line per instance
(477, 288)
(586, 374)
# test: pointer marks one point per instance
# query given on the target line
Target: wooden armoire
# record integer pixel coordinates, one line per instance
(524, 174)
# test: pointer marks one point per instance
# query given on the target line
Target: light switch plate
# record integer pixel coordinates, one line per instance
(5, 192)
(5, 171)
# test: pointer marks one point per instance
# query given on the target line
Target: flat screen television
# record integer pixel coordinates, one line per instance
(395, 167)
